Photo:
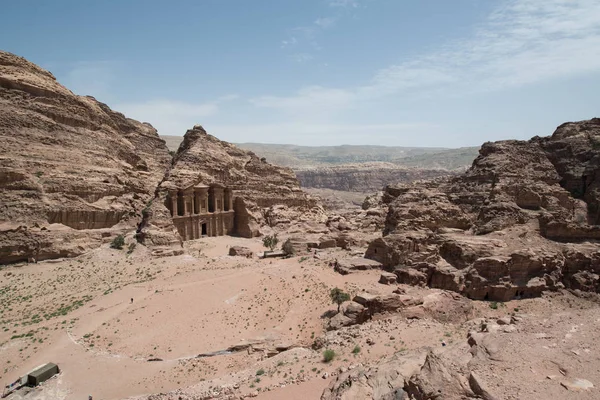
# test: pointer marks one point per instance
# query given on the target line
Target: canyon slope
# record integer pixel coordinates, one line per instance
(259, 187)
(365, 177)
(522, 220)
(73, 173)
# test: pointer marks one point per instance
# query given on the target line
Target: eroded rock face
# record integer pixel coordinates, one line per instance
(502, 230)
(385, 382)
(69, 165)
(264, 194)
(363, 177)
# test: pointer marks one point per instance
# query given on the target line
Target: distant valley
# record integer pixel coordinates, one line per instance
(359, 168)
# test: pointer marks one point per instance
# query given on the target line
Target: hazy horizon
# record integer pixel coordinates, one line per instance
(325, 72)
(335, 145)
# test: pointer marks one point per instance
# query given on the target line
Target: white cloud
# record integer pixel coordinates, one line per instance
(302, 57)
(289, 42)
(307, 35)
(343, 3)
(522, 42)
(325, 23)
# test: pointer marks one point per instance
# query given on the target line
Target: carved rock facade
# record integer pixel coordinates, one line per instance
(200, 211)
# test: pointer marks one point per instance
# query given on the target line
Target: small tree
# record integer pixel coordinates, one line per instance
(270, 241)
(338, 296)
(328, 355)
(118, 242)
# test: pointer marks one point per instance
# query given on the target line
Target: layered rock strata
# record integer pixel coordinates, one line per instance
(365, 178)
(73, 173)
(523, 219)
(257, 187)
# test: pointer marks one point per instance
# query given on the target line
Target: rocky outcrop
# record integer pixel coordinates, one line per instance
(384, 382)
(73, 173)
(347, 266)
(366, 177)
(241, 251)
(506, 228)
(258, 186)
(351, 313)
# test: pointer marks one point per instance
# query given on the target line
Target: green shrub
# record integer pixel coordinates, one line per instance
(118, 242)
(494, 305)
(260, 372)
(328, 355)
(270, 241)
(131, 248)
(356, 349)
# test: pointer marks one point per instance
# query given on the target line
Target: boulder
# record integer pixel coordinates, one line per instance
(479, 387)
(240, 251)
(351, 313)
(402, 249)
(350, 265)
(386, 303)
(436, 380)
(297, 246)
(448, 307)
(387, 278)
(355, 311)
(410, 276)
(381, 382)
(326, 242)
(345, 240)
(338, 321)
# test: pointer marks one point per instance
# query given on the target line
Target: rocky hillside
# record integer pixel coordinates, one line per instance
(74, 174)
(523, 219)
(365, 178)
(259, 187)
(72, 171)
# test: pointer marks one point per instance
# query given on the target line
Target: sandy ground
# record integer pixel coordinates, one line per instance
(78, 313)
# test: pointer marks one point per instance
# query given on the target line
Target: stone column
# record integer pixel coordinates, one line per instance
(188, 201)
(203, 200)
(230, 199)
(173, 195)
(197, 202)
(185, 204)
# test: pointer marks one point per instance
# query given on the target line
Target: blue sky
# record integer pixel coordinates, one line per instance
(324, 72)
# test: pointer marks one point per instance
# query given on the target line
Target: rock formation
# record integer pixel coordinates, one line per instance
(366, 177)
(523, 219)
(258, 187)
(73, 173)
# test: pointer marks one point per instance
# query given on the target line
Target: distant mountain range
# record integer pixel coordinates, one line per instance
(298, 157)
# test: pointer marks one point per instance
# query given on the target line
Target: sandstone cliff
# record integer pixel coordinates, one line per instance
(73, 172)
(365, 178)
(523, 219)
(258, 186)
